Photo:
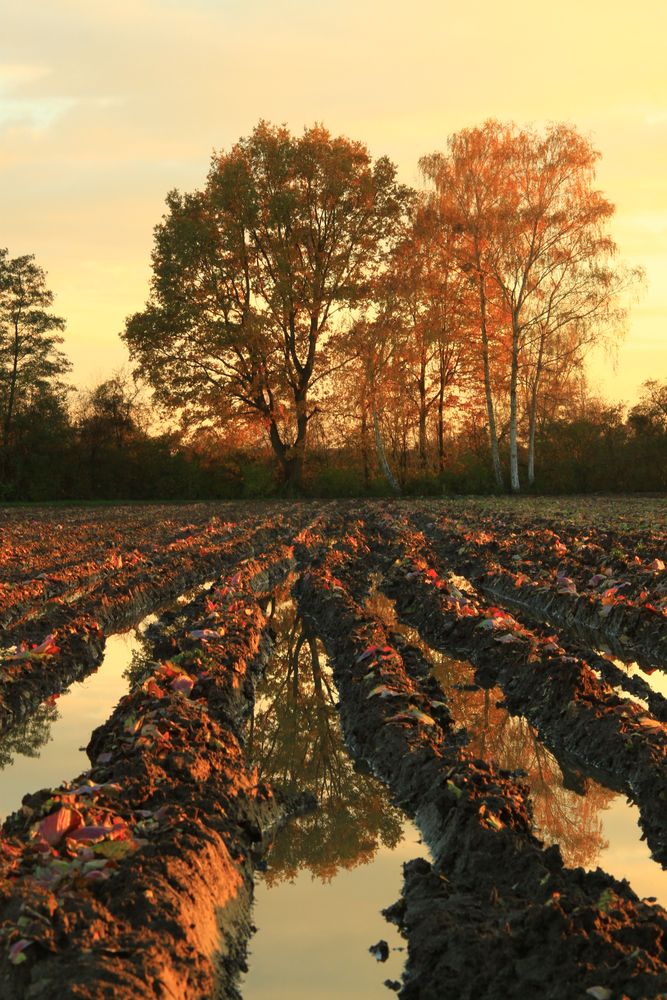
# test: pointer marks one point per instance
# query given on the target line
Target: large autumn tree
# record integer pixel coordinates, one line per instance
(535, 240)
(256, 276)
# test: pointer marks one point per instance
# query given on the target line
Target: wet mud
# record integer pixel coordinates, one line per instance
(575, 712)
(497, 890)
(136, 878)
(620, 611)
(66, 642)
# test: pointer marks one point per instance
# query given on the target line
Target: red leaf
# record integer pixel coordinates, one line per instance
(57, 824)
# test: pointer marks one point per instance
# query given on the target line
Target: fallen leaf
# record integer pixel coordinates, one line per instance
(383, 691)
(54, 827)
(16, 955)
(184, 684)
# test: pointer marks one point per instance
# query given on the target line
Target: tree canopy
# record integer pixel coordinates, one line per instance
(533, 237)
(30, 355)
(253, 275)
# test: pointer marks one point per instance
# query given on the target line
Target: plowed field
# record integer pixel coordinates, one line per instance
(135, 877)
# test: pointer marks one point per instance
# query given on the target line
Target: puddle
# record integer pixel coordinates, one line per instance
(656, 679)
(48, 748)
(329, 872)
(594, 826)
(313, 935)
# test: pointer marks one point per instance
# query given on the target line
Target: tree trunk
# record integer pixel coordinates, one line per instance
(381, 454)
(11, 399)
(533, 414)
(421, 382)
(364, 443)
(493, 433)
(531, 435)
(514, 447)
(291, 457)
(441, 418)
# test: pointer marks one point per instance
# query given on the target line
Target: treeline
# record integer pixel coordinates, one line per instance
(314, 326)
(98, 445)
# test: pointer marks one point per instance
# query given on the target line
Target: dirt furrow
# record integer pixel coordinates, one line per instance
(65, 648)
(573, 711)
(508, 917)
(135, 879)
(632, 629)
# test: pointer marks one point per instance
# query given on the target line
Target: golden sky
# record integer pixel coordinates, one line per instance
(106, 106)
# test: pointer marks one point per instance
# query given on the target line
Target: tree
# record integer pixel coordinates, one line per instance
(43, 458)
(536, 230)
(435, 310)
(30, 359)
(466, 182)
(254, 278)
(649, 415)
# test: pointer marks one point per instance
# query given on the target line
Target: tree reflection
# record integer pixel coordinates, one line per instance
(28, 738)
(296, 743)
(567, 805)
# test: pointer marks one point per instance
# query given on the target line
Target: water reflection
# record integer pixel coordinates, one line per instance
(593, 825)
(330, 872)
(566, 806)
(49, 748)
(296, 743)
(29, 736)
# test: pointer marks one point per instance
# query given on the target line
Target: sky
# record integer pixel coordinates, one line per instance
(105, 107)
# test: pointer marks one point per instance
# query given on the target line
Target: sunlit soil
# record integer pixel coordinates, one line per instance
(332, 868)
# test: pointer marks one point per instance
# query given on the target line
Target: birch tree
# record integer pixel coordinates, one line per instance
(535, 231)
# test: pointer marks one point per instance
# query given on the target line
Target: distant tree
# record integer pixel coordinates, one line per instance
(43, 458)
(432, 300)
(109, 412)
(30, 358)
(109, 427)
(467, 180)
(650, 413)
(254, 277)
(647, 438)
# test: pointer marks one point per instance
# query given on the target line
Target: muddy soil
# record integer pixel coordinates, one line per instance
(136, 878)
(572, 709)
(66, 642)
(477, 822)
(632, 628)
